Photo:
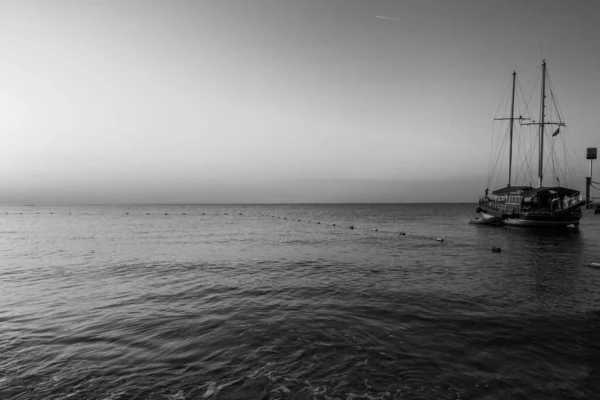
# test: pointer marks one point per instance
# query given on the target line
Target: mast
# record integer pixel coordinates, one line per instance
(512, 118)
(512, 124)
(541, 124)
(541, 133)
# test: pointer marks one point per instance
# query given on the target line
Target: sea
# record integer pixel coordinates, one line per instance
(309, 301)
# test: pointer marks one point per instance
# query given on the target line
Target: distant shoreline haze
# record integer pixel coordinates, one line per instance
(293, 192)
(189, 191)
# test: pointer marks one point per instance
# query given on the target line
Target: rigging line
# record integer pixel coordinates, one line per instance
(522, 165)
(525, 101)
(502, 101)
(566, 156)
(555, 99)
(555, 161)
(559, 111)
(524, 158)
(555, 108)
(549, 156)
(532, 141)
(575, 152)
(553, 157)
(525, 171)
(492, 161)
(532, 90)
(526, 166)
(498, 166)
(566, 167)
(566, 162)
(502, 155)
(491, 155)
(499, 155)
(522, 96)
(494, 166)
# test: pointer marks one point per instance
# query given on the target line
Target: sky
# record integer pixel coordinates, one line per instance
(278, 101)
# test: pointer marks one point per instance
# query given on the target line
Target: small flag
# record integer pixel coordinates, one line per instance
(556, 132)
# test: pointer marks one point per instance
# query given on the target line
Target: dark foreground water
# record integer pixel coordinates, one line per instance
(236, 302)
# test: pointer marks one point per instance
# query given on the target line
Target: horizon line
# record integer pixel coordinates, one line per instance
(221, 204)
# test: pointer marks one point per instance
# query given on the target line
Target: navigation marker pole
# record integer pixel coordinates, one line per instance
(591, 155)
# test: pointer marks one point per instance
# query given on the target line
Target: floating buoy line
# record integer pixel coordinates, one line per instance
(336, 225)
(352, 227)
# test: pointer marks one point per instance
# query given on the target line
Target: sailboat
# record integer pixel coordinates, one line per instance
(524, 204)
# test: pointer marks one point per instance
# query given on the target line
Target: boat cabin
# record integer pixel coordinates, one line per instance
(544, 198)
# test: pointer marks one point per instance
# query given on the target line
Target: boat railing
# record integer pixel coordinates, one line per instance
(570, 201)
(487, 202)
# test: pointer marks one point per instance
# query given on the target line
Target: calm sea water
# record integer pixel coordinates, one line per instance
(275, 302)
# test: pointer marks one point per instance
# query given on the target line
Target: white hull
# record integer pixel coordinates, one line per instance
(547, 224)
(530, 223)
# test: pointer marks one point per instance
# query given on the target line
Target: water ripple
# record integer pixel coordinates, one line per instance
(100, 304)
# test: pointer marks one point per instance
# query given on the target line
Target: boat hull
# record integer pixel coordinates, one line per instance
(547, 221)
(540, 224)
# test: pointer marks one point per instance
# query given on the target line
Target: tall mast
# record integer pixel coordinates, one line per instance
(512, 118)
(512, 124)
(541, 124)
(541, 134)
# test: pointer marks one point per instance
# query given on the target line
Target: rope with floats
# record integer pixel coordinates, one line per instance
(437, 239)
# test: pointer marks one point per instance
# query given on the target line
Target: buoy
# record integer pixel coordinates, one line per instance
(402, 234)
(126, 213)
(166, 214)
(496, 249)
(240, 214)
(439, 239)
(318, 223)
(595, 265)
(333, 225)
(284, 217)
(351, 227)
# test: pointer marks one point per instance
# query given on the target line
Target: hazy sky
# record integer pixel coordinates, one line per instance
(276, 100)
